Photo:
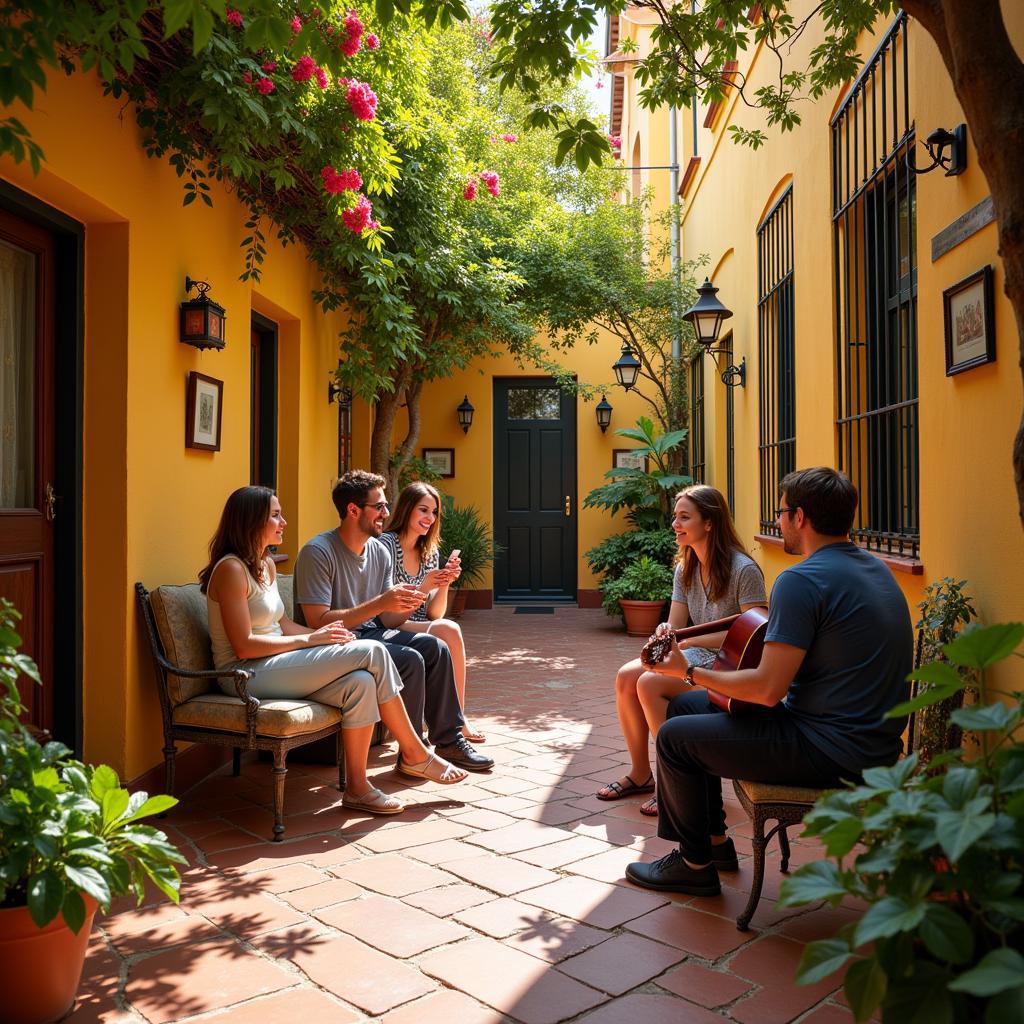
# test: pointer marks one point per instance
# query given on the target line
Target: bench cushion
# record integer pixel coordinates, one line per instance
(274, 718)
(180, 615)
(772, 793)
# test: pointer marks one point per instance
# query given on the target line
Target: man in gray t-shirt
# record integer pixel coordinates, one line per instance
(837, 652)
(345, 575)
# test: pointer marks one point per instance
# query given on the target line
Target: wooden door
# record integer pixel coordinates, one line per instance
(28, 502)
(534, 490)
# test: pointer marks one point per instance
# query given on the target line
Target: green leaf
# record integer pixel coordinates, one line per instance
(865, 985)
(980, 646)
(89, 881)
(104, 778)
(888, 916)
(946, 934)
(153, 805)
(938, 673)
(45, 896)
(842, 837)
(74, 911)
(987, 718)
(998, 971)
(957, 831)
(821, 958)
(926, 698)
(114, 804)
(959, 785)
(819, 880)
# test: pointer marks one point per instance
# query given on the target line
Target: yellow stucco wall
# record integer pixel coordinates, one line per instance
(151, 505)
(969, 524)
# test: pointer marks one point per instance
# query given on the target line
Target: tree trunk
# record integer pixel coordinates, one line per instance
(988, 79)
(388, 404)
(407, 448)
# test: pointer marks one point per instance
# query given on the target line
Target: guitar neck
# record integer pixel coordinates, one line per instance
(716, 626)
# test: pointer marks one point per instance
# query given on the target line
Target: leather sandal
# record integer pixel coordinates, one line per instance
(619, 791)
(374, 802)
(473, 735)
(650, 807)
(434, 769)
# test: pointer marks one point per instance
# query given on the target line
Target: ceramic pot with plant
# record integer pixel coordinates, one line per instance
(463, 528)
(71, 839)
(640, 591)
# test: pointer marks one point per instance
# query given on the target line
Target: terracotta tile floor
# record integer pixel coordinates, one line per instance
(501, 899)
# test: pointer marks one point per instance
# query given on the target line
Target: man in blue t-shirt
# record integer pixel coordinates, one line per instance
(837, 652)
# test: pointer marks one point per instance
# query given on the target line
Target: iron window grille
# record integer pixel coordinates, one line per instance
(776, 339)
(874, 205)
(697, 457)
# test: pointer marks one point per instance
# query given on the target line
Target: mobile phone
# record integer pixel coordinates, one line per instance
(455, 553)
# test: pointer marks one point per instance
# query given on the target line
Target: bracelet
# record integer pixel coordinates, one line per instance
(688, 677)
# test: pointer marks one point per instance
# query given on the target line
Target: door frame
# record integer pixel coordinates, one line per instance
(572, 596)
(69, 380)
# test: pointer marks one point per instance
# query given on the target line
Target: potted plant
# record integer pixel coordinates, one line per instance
(70, 841)
(463, 528)
(935, 852)
(640, 592)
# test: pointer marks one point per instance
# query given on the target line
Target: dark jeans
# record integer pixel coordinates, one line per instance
(428, 680)
(699, 745)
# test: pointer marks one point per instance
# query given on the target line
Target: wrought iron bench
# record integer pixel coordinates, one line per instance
(196, 710)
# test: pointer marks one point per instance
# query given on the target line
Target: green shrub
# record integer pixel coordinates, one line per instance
(938, 860)
(644, 580)
(463, 527)
(615, 553)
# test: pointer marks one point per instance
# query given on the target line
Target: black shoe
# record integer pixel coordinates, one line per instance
(723, 856)
(462, 754)
(672, 874)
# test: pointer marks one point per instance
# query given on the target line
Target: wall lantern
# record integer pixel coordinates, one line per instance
(465, 411)
(706, 316)
(937, 143)
(604, 413)
(202, 320)
(626, 367)
(338, 393)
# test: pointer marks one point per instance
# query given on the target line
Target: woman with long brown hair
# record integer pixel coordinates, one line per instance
(412, 536)
(249, 629)
(714, 577)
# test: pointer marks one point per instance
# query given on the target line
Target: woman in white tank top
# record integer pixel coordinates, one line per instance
(248, 629)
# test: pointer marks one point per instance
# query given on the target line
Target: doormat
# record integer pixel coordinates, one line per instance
(533, 610)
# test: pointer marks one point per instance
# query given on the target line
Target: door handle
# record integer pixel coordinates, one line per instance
(568, 505)
(50, 502)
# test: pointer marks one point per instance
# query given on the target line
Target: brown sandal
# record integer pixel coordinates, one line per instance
(619, 791)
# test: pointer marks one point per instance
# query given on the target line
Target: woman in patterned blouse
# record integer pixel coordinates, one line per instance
(412, 536)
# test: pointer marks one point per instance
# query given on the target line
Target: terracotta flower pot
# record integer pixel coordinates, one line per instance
(40, 967)
(641, 616)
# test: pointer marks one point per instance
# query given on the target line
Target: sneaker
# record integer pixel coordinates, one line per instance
(723, 856)
(672, 874)
(462, 754)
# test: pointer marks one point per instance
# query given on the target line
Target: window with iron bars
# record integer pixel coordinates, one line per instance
(776, 341)
(697, 459)
(874, 221)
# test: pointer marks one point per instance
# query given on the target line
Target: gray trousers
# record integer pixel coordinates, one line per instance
(428, 680)
(355, 677)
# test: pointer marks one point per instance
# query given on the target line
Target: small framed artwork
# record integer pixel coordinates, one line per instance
(969, 316)
(628, 458)
(440, 460)
(203, 412)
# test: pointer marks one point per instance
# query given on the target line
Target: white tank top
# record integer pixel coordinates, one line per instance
(266, 610)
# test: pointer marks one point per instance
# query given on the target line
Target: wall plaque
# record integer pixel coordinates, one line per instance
(963, 227)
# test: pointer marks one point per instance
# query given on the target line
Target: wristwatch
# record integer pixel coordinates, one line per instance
(688, 677)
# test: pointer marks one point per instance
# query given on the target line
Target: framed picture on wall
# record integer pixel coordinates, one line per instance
(628, 458)
(203, 412)
(440, 460)
(969, 317)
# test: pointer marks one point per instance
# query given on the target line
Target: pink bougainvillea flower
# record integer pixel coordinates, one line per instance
(509, 138)
(247, 77)
(265, 86)
(469, 192)
(341, 181)
(358, 219)
(362, 100)
(269, 65)
(321, 78)
(372, 42)
(304, 68)
(296, 24)
(491, 182)
(234, 18)
(354, 34)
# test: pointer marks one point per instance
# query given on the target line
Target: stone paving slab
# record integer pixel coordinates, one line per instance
(501, 900)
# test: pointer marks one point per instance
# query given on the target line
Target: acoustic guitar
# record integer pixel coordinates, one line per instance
(742, 648)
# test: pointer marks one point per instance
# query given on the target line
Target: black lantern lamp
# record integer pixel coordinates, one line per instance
(465, 411)
(202, 320)
(338, 393)
(604, 413)
(706, 316)
(626, 367)
(954, 162)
